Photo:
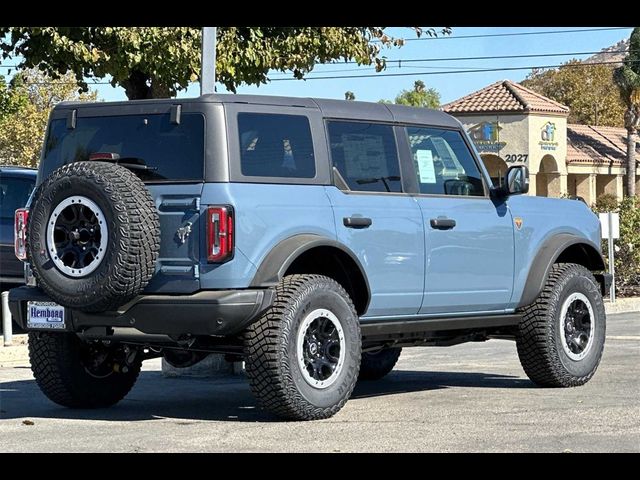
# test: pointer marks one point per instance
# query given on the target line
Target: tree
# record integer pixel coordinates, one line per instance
(30, 96)
(349, 95)
(588, 90)
(157, 62)
(627, 78)
(419, 96)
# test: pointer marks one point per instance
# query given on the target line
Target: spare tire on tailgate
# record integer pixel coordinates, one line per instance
(93, 236)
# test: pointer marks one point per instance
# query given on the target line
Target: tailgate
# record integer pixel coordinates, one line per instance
(177, 269)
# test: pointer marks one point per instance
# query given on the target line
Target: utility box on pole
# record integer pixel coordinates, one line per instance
(610, 223)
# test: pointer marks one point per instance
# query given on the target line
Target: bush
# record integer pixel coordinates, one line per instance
(627, 247)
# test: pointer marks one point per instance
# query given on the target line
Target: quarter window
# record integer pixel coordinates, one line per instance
(273, 145)
(366, 156)
(443, 163)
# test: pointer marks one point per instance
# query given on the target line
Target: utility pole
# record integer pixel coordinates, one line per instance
(208, 65)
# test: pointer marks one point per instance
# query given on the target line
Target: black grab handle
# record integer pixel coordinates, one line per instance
(442, 223)
(356, 222)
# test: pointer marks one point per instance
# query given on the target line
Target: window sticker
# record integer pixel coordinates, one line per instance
(365, 156)
(426, 170)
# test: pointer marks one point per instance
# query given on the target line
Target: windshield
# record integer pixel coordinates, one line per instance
(170, 151)
(14, 193)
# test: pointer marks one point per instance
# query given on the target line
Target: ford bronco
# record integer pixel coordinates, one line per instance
(311, 238)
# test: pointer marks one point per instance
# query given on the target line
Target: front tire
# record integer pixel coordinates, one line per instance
(561, 337)
(75, 374)
(303, 355)
(375, 365)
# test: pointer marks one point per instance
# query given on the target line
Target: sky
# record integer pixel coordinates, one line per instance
(435, 74)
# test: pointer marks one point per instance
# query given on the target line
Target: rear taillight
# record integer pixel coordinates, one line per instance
(20, 233)
(219, 234)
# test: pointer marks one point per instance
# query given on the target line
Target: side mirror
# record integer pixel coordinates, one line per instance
(516, 182)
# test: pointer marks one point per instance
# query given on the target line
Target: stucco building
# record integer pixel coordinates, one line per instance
(511, 124)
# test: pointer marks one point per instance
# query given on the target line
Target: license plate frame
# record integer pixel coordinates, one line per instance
(46, 316)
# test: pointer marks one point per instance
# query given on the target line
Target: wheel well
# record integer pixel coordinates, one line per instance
(336, 264)
(582, 254)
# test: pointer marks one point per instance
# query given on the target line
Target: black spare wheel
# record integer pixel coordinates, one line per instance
(93, 236)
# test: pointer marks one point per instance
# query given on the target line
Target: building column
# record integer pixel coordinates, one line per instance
(564, 189)
(586, 188)
(532, 184)
(619, 187)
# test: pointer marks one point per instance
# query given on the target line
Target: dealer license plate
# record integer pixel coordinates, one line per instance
(45, 315)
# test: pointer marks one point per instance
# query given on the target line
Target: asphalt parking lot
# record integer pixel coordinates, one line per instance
(471, 397)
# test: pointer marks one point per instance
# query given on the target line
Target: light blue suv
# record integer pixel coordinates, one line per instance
(312, 238)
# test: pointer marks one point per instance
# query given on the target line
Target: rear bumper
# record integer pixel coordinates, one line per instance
(217, 312)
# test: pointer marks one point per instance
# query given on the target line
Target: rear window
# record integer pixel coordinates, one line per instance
(172, 152)
(274, 145)
(14, 193)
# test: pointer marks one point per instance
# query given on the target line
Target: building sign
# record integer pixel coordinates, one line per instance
(486, 136)
(548, 136)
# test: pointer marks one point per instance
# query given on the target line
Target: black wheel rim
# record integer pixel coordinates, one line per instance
(577, 326)
(77, 236)
(321, 348)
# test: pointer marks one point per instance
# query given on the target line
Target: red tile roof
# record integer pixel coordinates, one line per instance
(505, 96)
(597, 145)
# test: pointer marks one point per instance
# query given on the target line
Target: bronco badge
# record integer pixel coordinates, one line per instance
(518, 222)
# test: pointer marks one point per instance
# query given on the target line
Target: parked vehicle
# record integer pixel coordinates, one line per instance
(312, 238)
(16, 184)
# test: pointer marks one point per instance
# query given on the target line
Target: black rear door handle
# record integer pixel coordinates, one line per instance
(356, 222)
(442, 223)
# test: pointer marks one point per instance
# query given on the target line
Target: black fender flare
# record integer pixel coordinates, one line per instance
(279, 259)
(547, 255)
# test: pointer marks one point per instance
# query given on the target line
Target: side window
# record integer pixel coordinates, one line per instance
(366, 156)
(274, 145)
(443, 163)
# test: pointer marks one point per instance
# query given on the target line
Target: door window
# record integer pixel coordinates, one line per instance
(443, 163)
(366, 156)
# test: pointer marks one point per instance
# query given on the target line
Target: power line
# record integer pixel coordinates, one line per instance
(468, 70)
(390, 63)
(515, 34)
(478, 70)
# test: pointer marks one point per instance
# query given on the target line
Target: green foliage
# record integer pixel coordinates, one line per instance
(10, 100)
(419, 96)
(605, 203)
(627, 247)
(155, 62)
(349, 95)
(627, 78)
(31, 96)
(589, 91)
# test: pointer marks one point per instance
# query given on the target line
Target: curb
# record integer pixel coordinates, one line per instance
(623, 305)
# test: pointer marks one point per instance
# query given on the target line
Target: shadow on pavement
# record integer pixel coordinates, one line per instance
(189, 400)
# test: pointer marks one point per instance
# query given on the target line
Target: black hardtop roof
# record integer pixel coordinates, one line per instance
(328, 107)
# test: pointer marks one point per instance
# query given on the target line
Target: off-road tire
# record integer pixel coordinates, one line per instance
(133, 236)
(539, 340)
(57, 365)
(271, 362)
(375, 365)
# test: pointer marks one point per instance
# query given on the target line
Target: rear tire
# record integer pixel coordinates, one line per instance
(303, 355)
(561, 337)
(376, 365)
(68, 373)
